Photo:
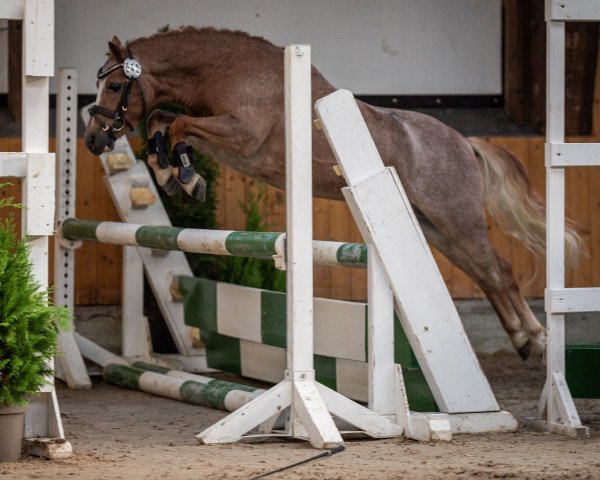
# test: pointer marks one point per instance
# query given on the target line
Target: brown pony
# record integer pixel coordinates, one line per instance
(231, 85)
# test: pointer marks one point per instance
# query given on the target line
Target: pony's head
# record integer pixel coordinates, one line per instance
(119, 106)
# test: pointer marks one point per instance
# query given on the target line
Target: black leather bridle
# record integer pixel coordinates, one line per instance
(132, 70)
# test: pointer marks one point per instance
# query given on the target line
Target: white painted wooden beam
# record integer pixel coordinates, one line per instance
(244, 419)
(13, 164)
(96, 353)
(298, 138)
(555, 204)
(12, 9)
(136, 340)
(573, 10)
(38, 40)
(565, 410)
(357, 415)
(567, 300)
(72, 368)
(43, 425)
(43, 415)
(573, 154)
(39, 198)
(381, 338)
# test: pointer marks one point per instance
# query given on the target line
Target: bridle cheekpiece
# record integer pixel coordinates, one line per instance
(132, 70)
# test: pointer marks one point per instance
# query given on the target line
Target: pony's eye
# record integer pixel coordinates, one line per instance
(114, 87)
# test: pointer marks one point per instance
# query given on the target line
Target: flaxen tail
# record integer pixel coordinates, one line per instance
(514, 205)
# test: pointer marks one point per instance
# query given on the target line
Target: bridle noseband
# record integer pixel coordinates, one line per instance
(132, 70)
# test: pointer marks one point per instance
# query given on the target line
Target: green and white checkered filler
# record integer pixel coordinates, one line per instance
(244, 330)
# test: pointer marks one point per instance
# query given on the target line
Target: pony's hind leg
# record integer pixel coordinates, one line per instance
(475, 255)
(507, 300)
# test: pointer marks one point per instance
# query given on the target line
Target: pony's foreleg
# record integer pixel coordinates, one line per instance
(193, 183)
(171, 178)
(156, 126)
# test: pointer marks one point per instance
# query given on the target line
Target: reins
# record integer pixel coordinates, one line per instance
(132, 70)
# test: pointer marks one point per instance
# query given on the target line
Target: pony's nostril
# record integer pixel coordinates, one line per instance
(89, 141)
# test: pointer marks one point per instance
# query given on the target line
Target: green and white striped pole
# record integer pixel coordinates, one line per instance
(213, 242)
(183, 386)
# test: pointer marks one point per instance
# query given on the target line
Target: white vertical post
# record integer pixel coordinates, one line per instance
(381, 338)
(43, 417)
(298, 178)
(73, 370)
(37, 49)
(136, 341)
(66, 169)
(34, 139)
(555, 193)
(561, 413)
(308, 402)
(309, 413)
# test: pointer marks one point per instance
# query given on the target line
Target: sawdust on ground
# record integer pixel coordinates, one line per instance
(122, 434)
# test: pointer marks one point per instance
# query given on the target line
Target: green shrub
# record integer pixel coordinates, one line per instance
(254, 272)
(29, 324)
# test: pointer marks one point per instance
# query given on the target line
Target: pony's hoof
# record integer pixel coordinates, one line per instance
(199, 190)
(171, 186)
(538, 347)
(164, 176)
(196, 188)
(525, 350)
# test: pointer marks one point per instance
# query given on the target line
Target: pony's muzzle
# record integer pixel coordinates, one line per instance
(98, 142)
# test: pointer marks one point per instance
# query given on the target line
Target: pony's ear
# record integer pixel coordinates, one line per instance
(116, 49)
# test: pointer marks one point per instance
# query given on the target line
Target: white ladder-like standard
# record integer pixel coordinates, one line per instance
(161, 269)
(556, 407)
(44, 435)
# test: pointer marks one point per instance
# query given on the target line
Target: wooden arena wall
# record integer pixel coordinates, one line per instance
(99, 266)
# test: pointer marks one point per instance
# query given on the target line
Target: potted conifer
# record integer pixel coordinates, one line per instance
(29, 327)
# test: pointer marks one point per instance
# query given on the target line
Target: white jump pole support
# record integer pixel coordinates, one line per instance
(556, 409)
(44, 435)
(385, 218)
(42, 420)
(136, 340)
(429, 318)
(72, 368)
(159, 270)
(308, 402)
(380, 324)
